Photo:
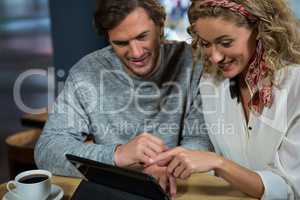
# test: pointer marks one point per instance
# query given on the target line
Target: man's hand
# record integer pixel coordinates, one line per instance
(141, 149)
(168, 183)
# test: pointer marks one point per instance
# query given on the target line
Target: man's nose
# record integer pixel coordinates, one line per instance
(215, 56)
(136, 50)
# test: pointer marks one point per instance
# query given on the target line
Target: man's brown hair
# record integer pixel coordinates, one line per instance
(110, 13)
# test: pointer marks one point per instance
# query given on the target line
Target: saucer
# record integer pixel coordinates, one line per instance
(57, 193)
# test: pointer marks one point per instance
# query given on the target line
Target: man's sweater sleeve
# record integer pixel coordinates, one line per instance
(194, 133)
(65, 132)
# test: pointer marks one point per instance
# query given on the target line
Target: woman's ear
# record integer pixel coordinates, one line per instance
(161, 32)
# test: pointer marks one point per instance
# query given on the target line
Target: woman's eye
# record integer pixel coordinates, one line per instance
(226, 44)
(204, 44)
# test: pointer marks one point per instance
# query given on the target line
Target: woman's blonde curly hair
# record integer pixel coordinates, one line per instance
(277, 28)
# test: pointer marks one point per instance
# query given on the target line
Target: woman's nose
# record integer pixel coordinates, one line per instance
(215, 56)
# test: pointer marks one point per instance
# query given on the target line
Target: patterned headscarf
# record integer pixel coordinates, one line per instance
(257, 77)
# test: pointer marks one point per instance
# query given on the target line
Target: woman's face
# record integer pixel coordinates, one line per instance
(225, 45)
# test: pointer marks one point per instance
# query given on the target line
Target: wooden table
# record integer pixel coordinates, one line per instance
(198, 187)
(34, 120)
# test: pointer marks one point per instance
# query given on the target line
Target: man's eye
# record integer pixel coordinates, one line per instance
(119, 43)
(142, 37)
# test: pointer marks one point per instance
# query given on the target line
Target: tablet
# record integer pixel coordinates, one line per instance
(119, 178)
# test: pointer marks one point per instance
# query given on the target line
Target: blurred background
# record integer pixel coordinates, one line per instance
(40, 40)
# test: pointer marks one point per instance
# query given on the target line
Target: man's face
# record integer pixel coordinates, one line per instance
(136, 42)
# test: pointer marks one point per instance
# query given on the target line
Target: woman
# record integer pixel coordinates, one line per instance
(250, 92)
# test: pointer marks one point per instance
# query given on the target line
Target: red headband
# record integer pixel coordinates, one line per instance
(237, 8)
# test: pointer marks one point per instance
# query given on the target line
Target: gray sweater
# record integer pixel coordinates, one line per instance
(102, 100)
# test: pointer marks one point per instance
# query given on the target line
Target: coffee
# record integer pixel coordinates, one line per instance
(34, 178)
(31, 185)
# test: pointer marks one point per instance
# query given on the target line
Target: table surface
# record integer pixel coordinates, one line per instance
(34, 120)
(198, 187)
(42, 117)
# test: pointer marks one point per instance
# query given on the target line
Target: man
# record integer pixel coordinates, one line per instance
(132, 97)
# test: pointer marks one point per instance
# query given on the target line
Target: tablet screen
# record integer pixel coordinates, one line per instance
(119, 178)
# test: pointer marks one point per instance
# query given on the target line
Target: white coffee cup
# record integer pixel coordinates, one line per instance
(33, 185)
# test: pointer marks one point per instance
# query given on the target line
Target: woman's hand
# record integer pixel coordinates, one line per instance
(184, 162)
(168, 183)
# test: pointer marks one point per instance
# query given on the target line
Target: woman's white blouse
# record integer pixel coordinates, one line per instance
(270, 143)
